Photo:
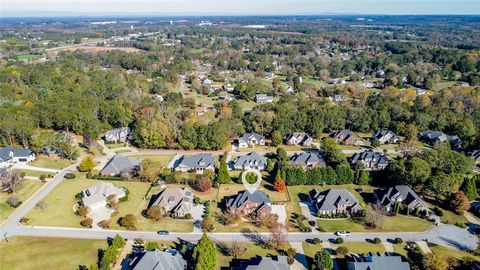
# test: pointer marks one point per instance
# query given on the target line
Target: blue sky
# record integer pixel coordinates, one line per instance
(235, 7)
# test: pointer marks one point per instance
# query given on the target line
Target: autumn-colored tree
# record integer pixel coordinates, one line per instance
(87, 164)
(237, 249)
(150, 170)
(82, 211)
(278, 235)
(87, 222)
(459, 202)
(129, 221)
(207, 224)
(280, 185)
(155, 212)
(437, 262)
(203, 184)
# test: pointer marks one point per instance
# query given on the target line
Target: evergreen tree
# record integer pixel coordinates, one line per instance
(469, 187)
(204, 254)
(223, 176)
(323, 261)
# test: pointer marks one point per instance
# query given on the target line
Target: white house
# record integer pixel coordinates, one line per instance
(117, 135)
(10, 156)
(250, 140)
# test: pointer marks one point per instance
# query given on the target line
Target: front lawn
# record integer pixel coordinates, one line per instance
(447, 252)
(162, 159)
(243, 225)
(398, 223)
(29, 253)
(51, 162)
(37, 174)
(26, 189)
(354, 247)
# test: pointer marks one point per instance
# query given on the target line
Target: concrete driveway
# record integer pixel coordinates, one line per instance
(100, 214)
(280, 211)
(307, 210)
(197, 213)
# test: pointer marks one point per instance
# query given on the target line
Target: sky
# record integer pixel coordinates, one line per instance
(245, 7)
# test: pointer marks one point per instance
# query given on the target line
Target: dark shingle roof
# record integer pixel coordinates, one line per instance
(370, 157)
(264, 263)
(119, 164)
(157, 260)
(199, 161)
(307, 158)
(251, 159)
(378, 263)
(258, 197)
(329, 200)
(5, 152)
(246, 137)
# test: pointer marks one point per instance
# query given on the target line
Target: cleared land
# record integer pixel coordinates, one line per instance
(50, 162)
(162, 159)
(27, 188)
(54, 52)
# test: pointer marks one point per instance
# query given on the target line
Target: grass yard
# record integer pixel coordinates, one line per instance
(400, 249)
(162, 159)
(451, 218)
(447, 252)
(354, 247)
(34, 173)
(232, 189)
(27, 188)
(50, 162)
(28, 253)
(115, 145)
(252, 249)
(399, 223)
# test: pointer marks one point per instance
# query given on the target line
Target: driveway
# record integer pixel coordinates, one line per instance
(307, 210)
(100, 214)
(25, 166)
(280, 211)
(197, 213)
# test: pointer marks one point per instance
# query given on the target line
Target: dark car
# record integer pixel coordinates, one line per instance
(162, 232)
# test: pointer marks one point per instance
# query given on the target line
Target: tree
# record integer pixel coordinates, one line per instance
(14, 201)
(323, 261)
(469, 188)
(207, 224)
(202, 184)
(151, 246)
(87, 164)
(375, 143)
(118, 242)
(204, 254)
(42, 205)
(278, 234)
(342, 251)
(280, 185)
(281, 155)
(155, 212)
(150, 170)
(277, 138)
(237, 249)
(87, 222)
(82, 211)
(441, 184)
(10, 181)
(223, 176)
(437, 262)
(129, 221)
(459, 202)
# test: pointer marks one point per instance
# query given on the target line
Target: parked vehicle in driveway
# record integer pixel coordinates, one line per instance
(163, 233)
(342, 233)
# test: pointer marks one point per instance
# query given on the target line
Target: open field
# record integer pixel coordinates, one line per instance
(50, 162)
(27, 188)
(55, 51)
(29, 253)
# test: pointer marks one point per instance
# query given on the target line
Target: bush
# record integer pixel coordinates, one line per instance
(316, 241)
(438, 211)
(188, 216)
(339, 240)
(123, 199)
(461, 225)
(320, 229)
(152, 246)
(377, 240)
(42, 177)
(87, 223)
(69, 176)
(398, 240)
(14, 202)
(342, 251)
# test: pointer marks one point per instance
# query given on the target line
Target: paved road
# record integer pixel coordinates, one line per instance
(23, 166)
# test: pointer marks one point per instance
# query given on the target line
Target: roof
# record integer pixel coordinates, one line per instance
(116, 131)
(401, 193)
(435, 135)
(475, 155)
(263, 97)
(300, 137)
(258, 197)
(250, 159)
(330, 199)
(370, 157)
(248, 136)
(157, 260)
(307, 158)
(378, 263)
(100, 192)
(264, 263)
(382, 133)
(7, 150)
(198, 161)
(119, 164)
(175, 199)
(342, 135)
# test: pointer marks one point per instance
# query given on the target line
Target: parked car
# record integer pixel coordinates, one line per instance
(312, 222)
(162, 232)
(342, 233)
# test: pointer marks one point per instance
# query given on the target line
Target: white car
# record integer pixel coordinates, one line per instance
(342, 233)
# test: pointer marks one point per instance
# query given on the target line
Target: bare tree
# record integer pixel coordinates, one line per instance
(278, 235)
(42, 205)
(237, 249)
(374, 217)
(10, 181)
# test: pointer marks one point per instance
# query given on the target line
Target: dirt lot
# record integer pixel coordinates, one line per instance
(54, 52)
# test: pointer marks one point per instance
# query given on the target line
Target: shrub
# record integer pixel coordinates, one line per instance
(320, 229)
(123, 199)
(129, 221)
(438, 211)
(339, 240)
(398, 240)
(342, 251)
(461, 225)
(87, 223)
(188, 216)
(152, 246)
(316, 241)
(202, 184)
(197, 200)
(42, 177)
(105, 224)
(69, 176)
(377, 240)
(14, 202)
(82, 211)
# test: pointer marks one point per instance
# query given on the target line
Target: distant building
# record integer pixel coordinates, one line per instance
(431, 137)
(377, 263)
(245, 203)
(264, 263)
(386, 137)
(250, 161)
(97, 195)
(119, 164)
(339, 98)
(299, 138)
(178, 201)
(336, 81)
(372, 160)
(334, 201)
(400, 194)
(262, 98)
(197, 163)
(307, 160)
(250, 140)
(117, 135)
(10, 156)
(157, 260)
(344, 137)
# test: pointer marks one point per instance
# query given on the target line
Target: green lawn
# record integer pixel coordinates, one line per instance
(400, 249)
(162, 159)
(252, 249)
(398, 223)
(34, 173)
(29, 56)
(451, 218)
(28, 253)
(447, 252)
(354, 247)
(27, 188)
(51, 162)
(115, 145)
(232, 189)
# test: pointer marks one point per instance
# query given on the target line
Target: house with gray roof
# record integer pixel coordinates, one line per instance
(197, 163)
(433, 136)
(262, 98)
(245, 203)
(250, 140)
(400, 194)
(119, 164)
(117, 135)
(157, 260)
(97, 195)
(299, 138)
(386, 137)
(475, 155)
(307, 160)
(334, 201)
(178, 201)
(250, 161)
(371, 159)
(344, 137)
(377, 263)
(10, 156)
(264, 263)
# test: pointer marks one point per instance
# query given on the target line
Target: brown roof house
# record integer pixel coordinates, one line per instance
(400, 194)
(246, 203)
(344, 137)
(307, 160)
(299, 138)
(177, 201)
(334, 201)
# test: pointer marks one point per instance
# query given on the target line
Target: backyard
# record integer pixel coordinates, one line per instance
(26, 189)
(162, 159)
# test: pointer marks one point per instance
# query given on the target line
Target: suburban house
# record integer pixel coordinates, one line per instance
(372, 160)
(10, 156)
(119, 164)
(117, 135)
(307, 160)
(261, 262)
(344, 137)
(262, 98)
(334, 201)
(250, 161)
(431, 137)
(178, 201)
(475, 155)
(377, 263)
(97, 195)
(400, 194)
(157, 260)
(246, 203)
(299, 138)
(250, 140)
(197, 163)
(386, 137)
